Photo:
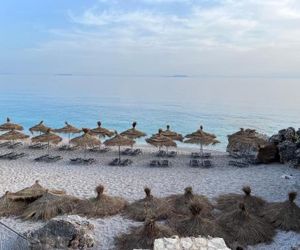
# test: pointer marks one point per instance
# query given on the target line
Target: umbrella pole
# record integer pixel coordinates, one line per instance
(69, 138)
(119, 153)
(201, 152)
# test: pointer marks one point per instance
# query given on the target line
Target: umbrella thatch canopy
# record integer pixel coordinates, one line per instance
(50, 205)
(172, 134)
(133, 133)
(13, 135)
(101, 206)
(284, 215)
(156, 208)
(68, 129)
(159, 140)
(10, 126)
(196, 225)
(253, 204)
(101, 132)
(9, 207)
(85, 140)
(143, 237)
(119, 140)
(40, 128)
(181, 202)
(47, 137)
(31, 193)
(245, 228)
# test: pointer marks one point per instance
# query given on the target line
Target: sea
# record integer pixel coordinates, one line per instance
(222, 104)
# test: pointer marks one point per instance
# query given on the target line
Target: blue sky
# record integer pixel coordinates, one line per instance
(216, 37)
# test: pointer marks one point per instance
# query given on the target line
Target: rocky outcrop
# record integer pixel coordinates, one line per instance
(62, 234)
(252, 146)
(176, 243)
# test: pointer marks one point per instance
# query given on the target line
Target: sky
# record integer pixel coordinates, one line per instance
(240, 38)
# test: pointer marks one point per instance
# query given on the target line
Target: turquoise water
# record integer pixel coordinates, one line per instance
(222, 105)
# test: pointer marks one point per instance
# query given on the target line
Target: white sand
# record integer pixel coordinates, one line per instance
(128, 182)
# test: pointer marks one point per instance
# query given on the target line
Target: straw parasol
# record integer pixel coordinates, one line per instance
(40, 127)
(31, 193)
(159, 140)
(172, 134)
(10, 126)
(181, 203)
(196, 225)
(284, 215)
(101, 132)
(68, 129)
(13, 135)
(245, 228)
(11, 208)
(156, 208)
(86, 140)
(119, 140)
(253, 204)
(47, 137)
(143, 237)
(101, 206)
(49, 206)
(133, 133)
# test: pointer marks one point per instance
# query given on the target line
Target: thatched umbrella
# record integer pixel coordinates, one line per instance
(86, 140)
(10, 126)
(50, 205)
(253, 204)
(47, 137)
(31, 193)
(181, 202)
(119, 140)
(159, 140)
(156, 208)
(143, 237)
(133, 133)
(101, 206)
(284, 215)
(172, 134)
(9, 207)
(195, 224)
(101, 132)
(245, 228)
(68, 129)
(13, 135)
(40, 127)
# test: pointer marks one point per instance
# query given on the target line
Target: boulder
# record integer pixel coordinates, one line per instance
(287, 151)
(62, 234)
(268, 154)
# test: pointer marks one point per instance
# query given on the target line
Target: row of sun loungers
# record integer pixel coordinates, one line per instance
(83, 161)
(132, 152)
(162, 153)
(157, 163)
(12, 156)
(198, 155)
(118, 162)
(197, 163)
(10, 145)
(48, 158)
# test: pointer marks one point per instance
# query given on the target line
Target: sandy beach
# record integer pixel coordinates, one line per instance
(266, 181)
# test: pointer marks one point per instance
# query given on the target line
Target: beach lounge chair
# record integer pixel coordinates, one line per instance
(84, 161)
(67, 148)
(136, 152)
(154, 163)
(4, 156)
(172, 154)
(195, 163)
(165, 163)
(127, 151)
(206, 155)
(16, 156)
(38, 146)
(206, 164)
(50, 159)
(5, 144)
(115, 162)
(15, 145)
(126, 162)
(239, 164)
(161, 153)
(195, 155)
(41, 158)
(104, 150)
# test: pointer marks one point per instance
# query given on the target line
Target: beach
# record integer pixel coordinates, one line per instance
(266, 181)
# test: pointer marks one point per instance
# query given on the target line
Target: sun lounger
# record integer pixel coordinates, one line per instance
(104, 150)
(15, 145)
(239, 164)
(115, 162)
(195, 155)
(198, 155)
(41, 158)
(161, 153)
(165, 163)
(83, 161)
(126, 162)
(206, 164)
(38, 146)
(136, 152)
(127, 151)
(67, 148)
(5, 144)
(16, 156)
(172, 154)
(154, 163)
(4, 156)
(52, 159)
(195, 163)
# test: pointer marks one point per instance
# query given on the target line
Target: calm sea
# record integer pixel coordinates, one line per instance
(221, 104)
